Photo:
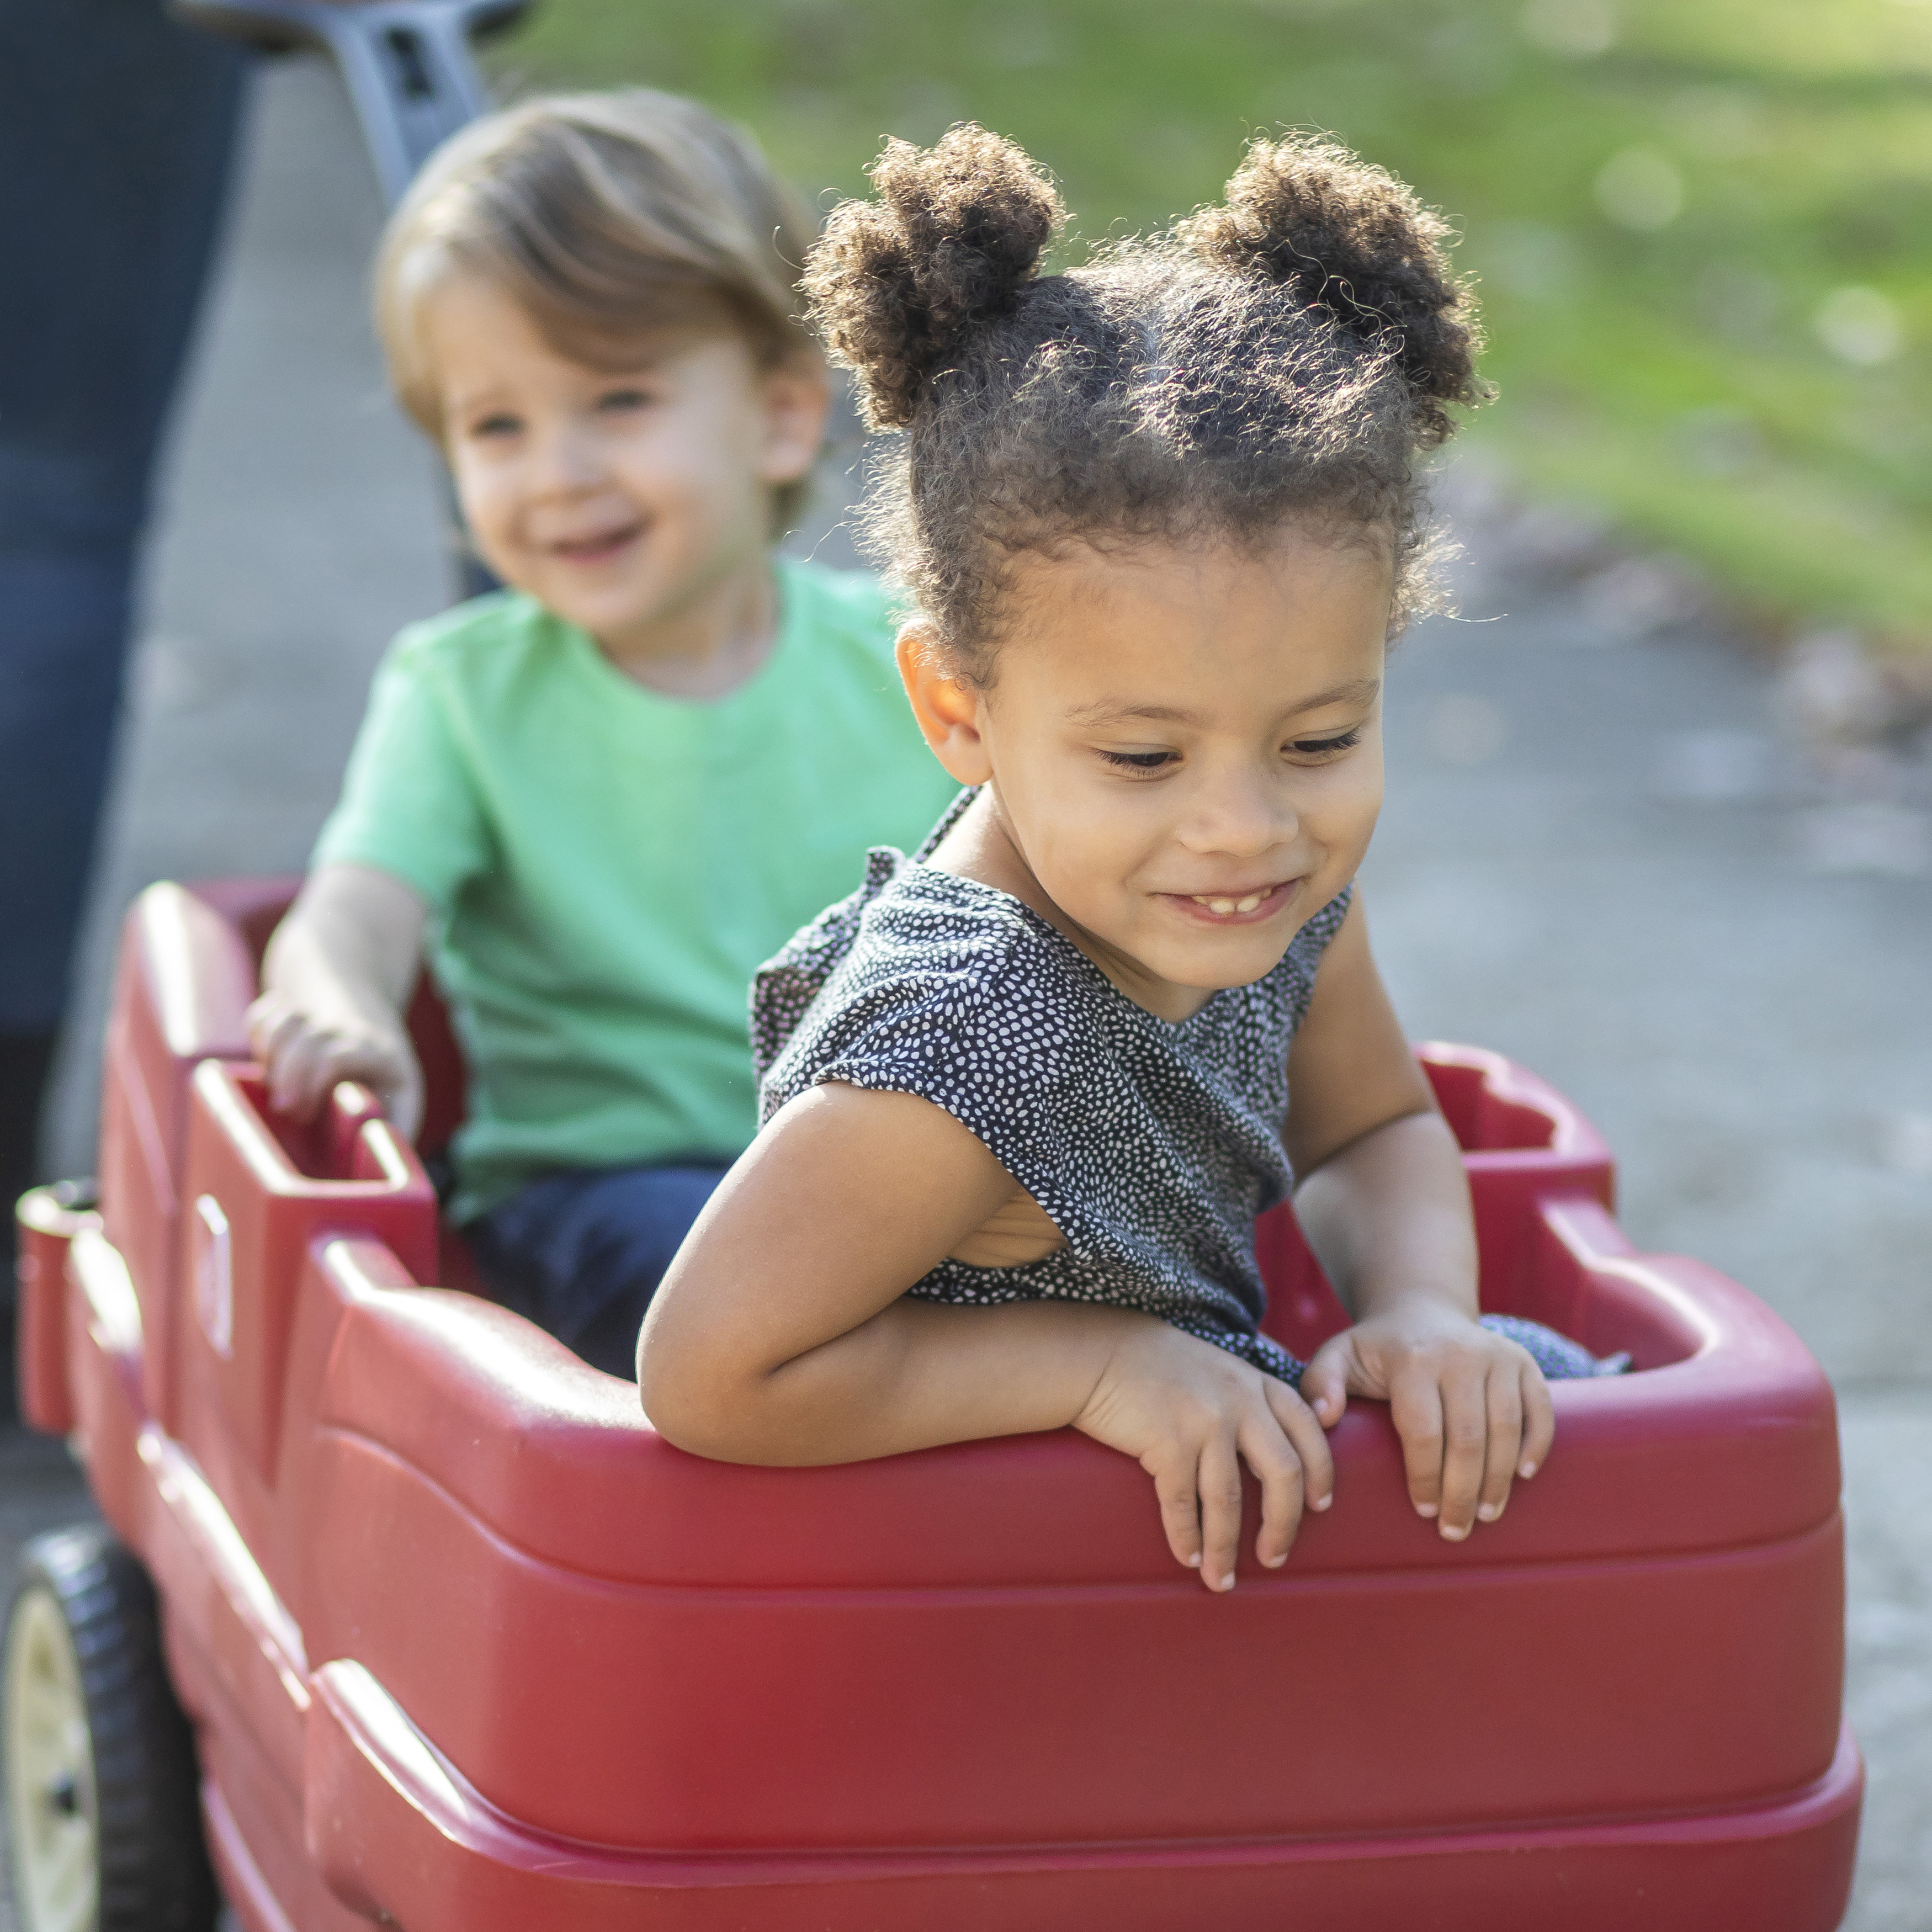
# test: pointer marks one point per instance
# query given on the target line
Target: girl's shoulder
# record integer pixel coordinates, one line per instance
(917, 962)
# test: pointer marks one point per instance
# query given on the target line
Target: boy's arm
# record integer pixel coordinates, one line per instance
(1385, 1203)
(782, 1333)
(335, 983)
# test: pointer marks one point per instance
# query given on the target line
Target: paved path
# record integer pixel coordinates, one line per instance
(1599, 856)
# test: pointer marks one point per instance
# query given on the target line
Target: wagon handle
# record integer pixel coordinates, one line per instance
(406, 63)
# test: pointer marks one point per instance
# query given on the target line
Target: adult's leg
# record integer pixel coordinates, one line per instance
(582, 1253)
(116, 128)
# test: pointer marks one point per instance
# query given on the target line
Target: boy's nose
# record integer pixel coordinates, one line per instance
(567, 462)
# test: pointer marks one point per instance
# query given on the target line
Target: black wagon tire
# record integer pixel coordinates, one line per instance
(104, 1814)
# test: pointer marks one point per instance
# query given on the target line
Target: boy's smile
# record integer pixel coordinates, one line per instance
(633, 499)
(1181, 751)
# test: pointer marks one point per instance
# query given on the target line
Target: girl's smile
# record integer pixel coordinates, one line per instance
(1236, 905)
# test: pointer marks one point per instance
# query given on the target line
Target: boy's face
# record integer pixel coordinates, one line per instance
(1184, 748)
(623, 501)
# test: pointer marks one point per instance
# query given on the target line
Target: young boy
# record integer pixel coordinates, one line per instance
(603, 797)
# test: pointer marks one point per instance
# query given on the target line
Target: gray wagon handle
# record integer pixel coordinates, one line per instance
(406, 63)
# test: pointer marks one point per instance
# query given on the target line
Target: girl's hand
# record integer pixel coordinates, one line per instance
(1190, 1414)
(1472, 1409)
(304, 1056)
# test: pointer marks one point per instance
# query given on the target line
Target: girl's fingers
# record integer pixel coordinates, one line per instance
(1539, 1421)
(1324, 1382)
(1465, 1442)
(1416, 1406)
(1277, 1468)
(1219, 1479)
(1175, 1490)
(1504, 1390)
(1306, 1433)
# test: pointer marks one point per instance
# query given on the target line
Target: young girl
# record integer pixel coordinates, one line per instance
(602, 798)
(1025, 1093)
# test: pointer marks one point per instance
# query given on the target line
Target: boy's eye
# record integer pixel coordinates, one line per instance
(1139, 761)
(616, 401)
(1323, 748)
(501, 424)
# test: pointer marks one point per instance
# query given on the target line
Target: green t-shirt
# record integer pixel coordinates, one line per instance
(605, 868)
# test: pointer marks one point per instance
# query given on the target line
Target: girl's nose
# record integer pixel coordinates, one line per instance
(1240, 817)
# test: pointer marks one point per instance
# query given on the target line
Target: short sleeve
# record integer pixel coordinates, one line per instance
(971, 1013)
(409, 805)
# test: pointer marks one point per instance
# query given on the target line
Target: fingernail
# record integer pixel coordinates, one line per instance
(1527, 1469)
(1488, 1512)
(1275, 1562)
(1320, 1502)
(1194, 1562)
(1227, 1582)
(1425, 1509)
(1455, 1533)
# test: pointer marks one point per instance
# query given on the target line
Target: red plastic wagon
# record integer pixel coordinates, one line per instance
(462, 1646)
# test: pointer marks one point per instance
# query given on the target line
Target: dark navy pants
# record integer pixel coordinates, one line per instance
(581, 1253)
(116, 128)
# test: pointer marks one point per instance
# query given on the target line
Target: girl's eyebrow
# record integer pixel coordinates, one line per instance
(1357, 690)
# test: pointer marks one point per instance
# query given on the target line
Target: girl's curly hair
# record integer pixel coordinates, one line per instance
(1282, 357)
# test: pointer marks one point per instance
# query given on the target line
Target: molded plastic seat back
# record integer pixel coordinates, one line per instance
(182, 988)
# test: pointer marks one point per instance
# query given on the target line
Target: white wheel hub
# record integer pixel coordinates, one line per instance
(52, 1826)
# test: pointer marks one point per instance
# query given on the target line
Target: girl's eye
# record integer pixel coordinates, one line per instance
(1139, 761)
(615, 402)
(501, 424)
(1326, 748)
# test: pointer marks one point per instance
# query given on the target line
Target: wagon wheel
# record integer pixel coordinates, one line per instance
(103, 1825)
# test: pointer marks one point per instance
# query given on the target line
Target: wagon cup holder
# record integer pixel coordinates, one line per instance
(258, 1188)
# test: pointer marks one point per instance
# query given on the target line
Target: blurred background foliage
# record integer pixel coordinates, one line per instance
(1702, 229)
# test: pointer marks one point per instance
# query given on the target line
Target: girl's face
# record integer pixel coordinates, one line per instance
(616, 500)
(1183, 749)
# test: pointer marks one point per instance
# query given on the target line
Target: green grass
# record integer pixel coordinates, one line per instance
(1678, 376)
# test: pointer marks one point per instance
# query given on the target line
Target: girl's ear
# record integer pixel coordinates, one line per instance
(797, 398)
(947, 710)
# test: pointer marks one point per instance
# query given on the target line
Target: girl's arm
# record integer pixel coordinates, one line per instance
(1385, 1203)
(335, 982)
(782, 1334)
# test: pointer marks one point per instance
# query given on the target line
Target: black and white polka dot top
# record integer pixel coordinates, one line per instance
(1151, 1146)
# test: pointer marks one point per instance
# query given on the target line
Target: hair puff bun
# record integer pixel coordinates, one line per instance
(1344, 236)
(954, 233)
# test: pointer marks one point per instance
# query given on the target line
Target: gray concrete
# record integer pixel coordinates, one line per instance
(1600, 855)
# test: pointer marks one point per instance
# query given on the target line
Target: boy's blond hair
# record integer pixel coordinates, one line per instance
(604, 217)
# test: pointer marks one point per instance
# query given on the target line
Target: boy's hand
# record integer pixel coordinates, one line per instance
(305, 1057)
(1472, 1409)
(1190, 1414)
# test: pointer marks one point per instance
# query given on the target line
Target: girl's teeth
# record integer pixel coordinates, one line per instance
(1249, 903)
(1225, 907)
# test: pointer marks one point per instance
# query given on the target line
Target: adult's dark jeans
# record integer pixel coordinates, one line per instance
(581, 1253)
(116, 131)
